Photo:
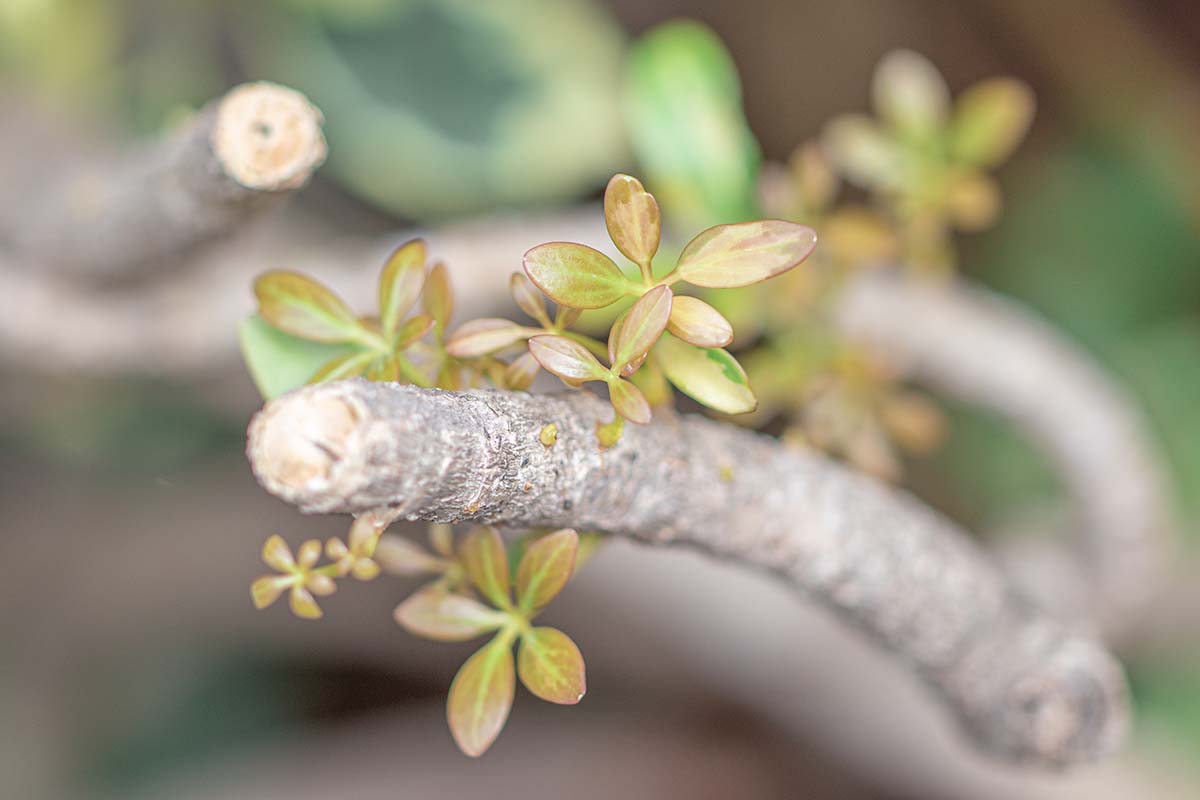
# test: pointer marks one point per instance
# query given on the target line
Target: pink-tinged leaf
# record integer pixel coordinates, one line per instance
(437, 298)
(400, 285)
(575, 275)
(480, 337)
(302, 307)
(528, 298)
(483, 557)
(481, 697)
(727, 256)
(628, 401)
(633, 218)
(641, 326)
(412, 330)
(434, 613)
(520, 373)
(990, 120)
(568, 360)
(708, 375)
(545, 569)
(566, 317)
(698, 323)
(400, 556)
(348, 366)
(551, 666)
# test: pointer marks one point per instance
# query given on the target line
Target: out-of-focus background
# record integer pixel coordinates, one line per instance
(133, 664)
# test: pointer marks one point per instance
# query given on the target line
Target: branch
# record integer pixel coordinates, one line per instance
(116, 219)
(992, 353)
(1024, 687)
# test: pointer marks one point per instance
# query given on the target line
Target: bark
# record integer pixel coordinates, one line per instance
(1024, 686)
(115, 219)
(992, 353)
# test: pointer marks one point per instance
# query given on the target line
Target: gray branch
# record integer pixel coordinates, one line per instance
(1024, 686)
(112, 219)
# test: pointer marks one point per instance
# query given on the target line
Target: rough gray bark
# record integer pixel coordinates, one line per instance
(994, 354)
(113, 219)
(1024, 686)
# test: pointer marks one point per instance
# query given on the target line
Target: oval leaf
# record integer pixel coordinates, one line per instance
(726, 256)
(910, 93)
(302, 307)
(482, 555)
(628, 401)
(698, 323)
(348, 366)
(990, 120)
(400, 284)
(279, 362)
(434, 613)
(551, 666)
(568, 360)
(545, 569)
(481, 697)
(412, 330)
(479, 337)
(575, 275)
(437, 298)
(520, 373)
(633, 218)
(641, 326)
(708, 375)
(528, 298)
(864, 153)
(399, 556)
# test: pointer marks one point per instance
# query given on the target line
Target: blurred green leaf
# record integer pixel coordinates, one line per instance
(482, 555)
(347, 366)
(481, 697)
(990, 120)
(683, 107)
(298, 305)
(551, 666)
(575, 275)
(528, 298)
(728, 256)
(910, 93)
(279, 362)
(434, 613)
(400, 285)
(479, 337)
(545, 568)
(708, 375)
(437, 298)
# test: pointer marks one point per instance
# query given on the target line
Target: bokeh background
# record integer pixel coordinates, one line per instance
(133, 664)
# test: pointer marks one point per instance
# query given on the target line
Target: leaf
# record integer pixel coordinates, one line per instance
(698, 323)
(568, 360)
(628, 401)
(481, 697)
(683, 109)
(520, 373)
(708, 375)
(279, 362)
(298, 305)
(482, 555)
(434, 613)
(633, 218)
(575, 275)
(639, 329)
(528, 298)
(910, 93)
(479, 337)
(399, 556)
(545, 569)
(437, 298)
(384, 369)
(990, 120)
(727, 256)
(400, 285)
(863, 152)
(551, 666)
(412, 330)
(348, 366)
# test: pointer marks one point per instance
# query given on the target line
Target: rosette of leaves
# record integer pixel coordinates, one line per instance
(663, 337)
(926, 158)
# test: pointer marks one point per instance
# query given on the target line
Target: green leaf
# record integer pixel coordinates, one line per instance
(863, 152)
(482, 555)
(575, 275)
(528, 298)
(990, 120)
(298, 305)
(910, 93)
(384, 369)
(279, 362)
(727, 256)
(412, 330)
(551, 666)
(628, 401)
(437, 298)
(633, 218)
(479, 337)
(708, 375)
(434, 613)
(698, 323)
(545, 568)
(400, 285)
(481, 697)
(400, 556)
(639, 329)
(683, 108)
(568, 360)
(350, 365)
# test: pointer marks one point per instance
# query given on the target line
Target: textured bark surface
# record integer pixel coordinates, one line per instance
(1024, 686)
(113, 219)
(994, 354)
